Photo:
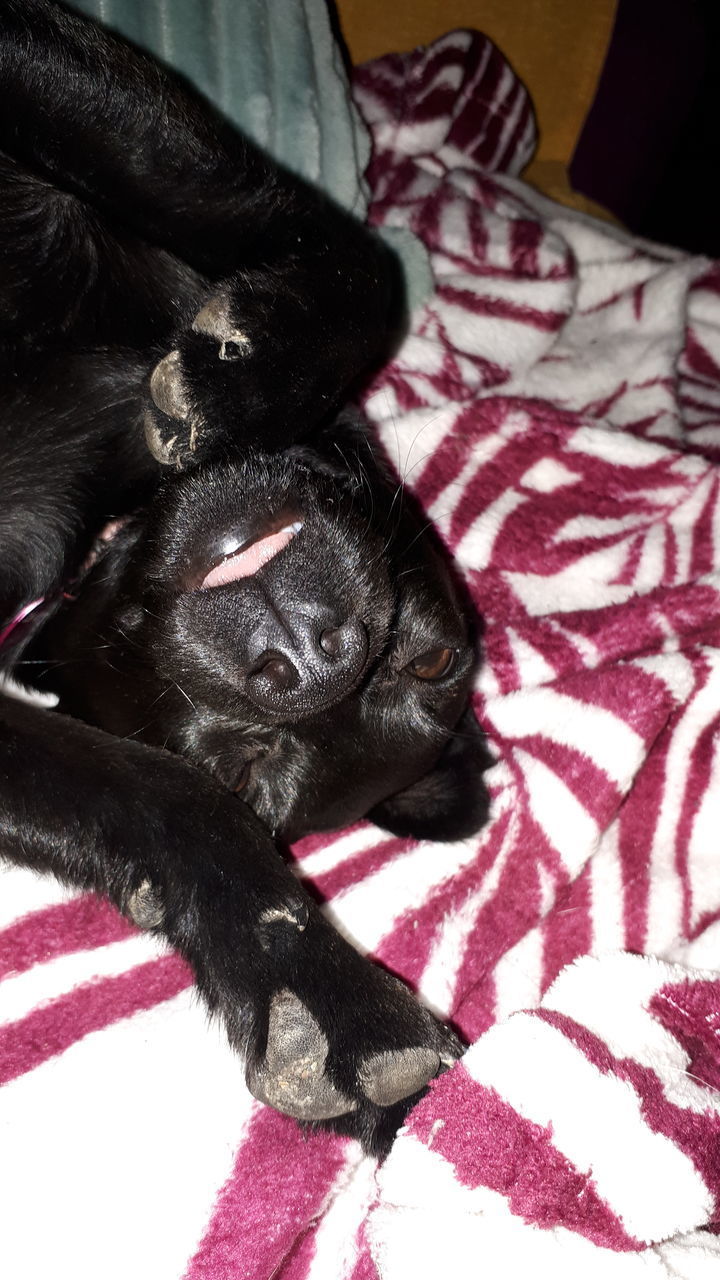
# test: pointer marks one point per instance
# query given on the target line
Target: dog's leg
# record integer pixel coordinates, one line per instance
(305, 295)
(69, 462)
(140, 825)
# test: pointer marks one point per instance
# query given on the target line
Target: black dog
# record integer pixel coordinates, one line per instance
(268, 617)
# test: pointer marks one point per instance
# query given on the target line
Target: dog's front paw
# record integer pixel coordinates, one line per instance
(273, 351)
(351, 1047)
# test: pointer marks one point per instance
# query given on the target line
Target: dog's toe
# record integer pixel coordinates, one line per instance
(170, 442)
(215, 322)
(145, 907)
(291, 1077)
(280, 926)
(395, 1074)
(172, 433)
(167, 387)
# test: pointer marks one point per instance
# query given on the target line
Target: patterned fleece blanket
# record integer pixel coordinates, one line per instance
(556, 409)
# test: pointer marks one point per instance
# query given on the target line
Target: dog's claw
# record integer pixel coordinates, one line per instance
(171, 443)
(292, 1076)
(395, 1074)
(145, 908)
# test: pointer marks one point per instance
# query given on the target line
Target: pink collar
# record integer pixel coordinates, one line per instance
(105, 536)
(19, 617)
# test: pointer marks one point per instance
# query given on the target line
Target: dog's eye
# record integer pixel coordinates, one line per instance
(433, 665)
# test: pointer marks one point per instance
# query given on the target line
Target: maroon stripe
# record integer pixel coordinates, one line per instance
(521, 140)
(364, 1268)
(598, 795)
(275, 1194)
(638, 300)
(360, 865)
(513, 909)
(626, 575)
(497, 604)
(708, 406)
(699, 358)
(670, 571)
(505, 665)
(638, 626)
(475, 129)
(82, 924)
(322, 840)
(690, 1011)
(526, 237)
(703, 560)
(26, 1044)
(567, 929)
(468, 430)
(407, 949)
(696, 787)
(556, 648)
(697, 1135)
(490, 1145)
(637, 697)
(499, 111)
(637, 824)
(601, 408)
(503, 309)
(604, 303)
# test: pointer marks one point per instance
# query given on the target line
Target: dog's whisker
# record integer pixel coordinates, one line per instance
(428, 525)
(185, 695)
(407, 470)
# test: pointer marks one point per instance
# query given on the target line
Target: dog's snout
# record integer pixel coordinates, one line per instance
(308, 665)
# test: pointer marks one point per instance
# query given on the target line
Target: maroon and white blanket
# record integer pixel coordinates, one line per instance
(556, 409)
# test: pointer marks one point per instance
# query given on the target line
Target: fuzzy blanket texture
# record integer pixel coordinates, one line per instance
(556, 409)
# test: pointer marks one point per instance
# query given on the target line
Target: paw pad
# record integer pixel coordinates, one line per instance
(166, 387)
(214, 321)
(397, 1073)
(292, 1077)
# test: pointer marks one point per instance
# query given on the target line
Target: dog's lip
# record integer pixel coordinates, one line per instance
(242, 557)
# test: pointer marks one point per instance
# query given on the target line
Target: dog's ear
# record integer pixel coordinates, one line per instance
(449, 803)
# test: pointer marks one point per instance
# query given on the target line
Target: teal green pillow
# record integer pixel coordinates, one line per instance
(272, 67)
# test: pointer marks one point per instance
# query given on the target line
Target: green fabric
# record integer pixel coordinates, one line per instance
(271, 66)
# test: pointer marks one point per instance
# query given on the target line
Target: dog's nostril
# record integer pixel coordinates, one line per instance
(346, 644)
(331, 641)
(321, 664)
(279, 672)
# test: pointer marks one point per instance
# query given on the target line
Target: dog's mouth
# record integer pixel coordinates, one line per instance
(243, 559)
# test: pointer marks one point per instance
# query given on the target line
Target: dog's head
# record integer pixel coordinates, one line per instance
(290, 625)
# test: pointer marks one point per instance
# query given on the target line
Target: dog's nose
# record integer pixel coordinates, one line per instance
(309, 666)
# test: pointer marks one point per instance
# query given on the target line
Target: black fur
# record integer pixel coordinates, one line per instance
(329, 684)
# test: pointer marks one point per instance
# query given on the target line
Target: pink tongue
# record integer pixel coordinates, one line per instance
(243, 564)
